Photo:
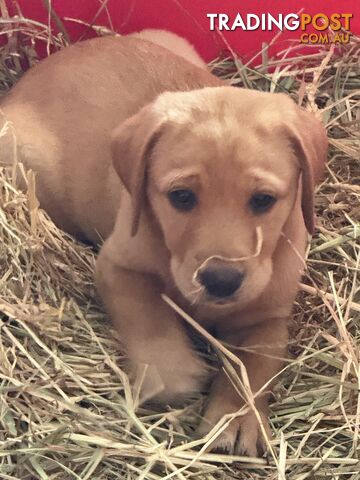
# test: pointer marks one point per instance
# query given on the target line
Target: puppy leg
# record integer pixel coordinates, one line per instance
(152, 334)
(268, 343)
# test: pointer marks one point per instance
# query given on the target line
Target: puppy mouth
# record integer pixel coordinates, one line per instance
(221, 302)
(213, 301)
(202, 297)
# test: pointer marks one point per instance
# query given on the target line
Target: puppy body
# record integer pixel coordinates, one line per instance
(224, 145)
(65, 109)
(172, 42)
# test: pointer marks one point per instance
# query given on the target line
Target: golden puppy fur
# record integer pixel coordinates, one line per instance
(115, 128)
(172, 42)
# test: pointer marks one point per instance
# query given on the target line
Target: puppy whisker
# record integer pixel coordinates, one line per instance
(194, 295)
(197, 296)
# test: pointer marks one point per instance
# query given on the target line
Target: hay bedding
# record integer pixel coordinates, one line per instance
(66, 409)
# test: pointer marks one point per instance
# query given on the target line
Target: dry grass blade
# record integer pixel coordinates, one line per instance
(66, 407)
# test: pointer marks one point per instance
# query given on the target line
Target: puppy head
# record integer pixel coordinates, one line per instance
(220, 169)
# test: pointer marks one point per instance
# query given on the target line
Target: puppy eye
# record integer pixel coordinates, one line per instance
(184, 200)
(261, 202)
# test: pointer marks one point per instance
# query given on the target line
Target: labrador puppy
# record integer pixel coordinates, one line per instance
(198, 189)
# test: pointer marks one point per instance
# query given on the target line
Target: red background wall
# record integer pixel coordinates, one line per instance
(187, 18)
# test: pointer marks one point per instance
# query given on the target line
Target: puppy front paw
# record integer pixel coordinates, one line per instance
(243, 436)
(168, 377)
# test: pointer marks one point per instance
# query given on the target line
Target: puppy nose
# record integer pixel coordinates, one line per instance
(220, 282)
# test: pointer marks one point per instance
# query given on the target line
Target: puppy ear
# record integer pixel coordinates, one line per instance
(132, 145)
(310, 144)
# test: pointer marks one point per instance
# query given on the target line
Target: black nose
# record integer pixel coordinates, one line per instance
(219, 281)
